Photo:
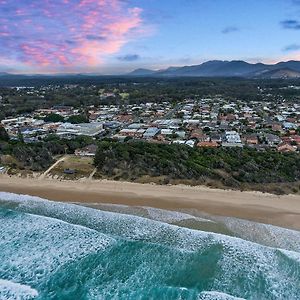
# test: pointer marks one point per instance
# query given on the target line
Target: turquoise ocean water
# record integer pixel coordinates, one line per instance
(53, 250)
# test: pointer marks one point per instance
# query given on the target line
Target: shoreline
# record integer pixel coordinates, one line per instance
(283, 211)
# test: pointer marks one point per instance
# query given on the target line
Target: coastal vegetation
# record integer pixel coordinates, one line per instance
(37, 156)
(144, 162)
(233, 168)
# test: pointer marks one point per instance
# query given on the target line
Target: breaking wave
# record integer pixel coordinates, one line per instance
(52, 250)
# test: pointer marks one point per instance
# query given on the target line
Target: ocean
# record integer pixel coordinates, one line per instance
(51, 250)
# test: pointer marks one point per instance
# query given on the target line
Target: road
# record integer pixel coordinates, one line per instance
(42, 176)
(170, 114)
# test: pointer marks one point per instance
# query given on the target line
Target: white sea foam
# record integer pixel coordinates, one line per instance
(161, 215)
(126, 225)
(265, 234)
(10, 290)
(217, 296)
(294, 256)
(33, 247)
(233, 255)
(168, 216)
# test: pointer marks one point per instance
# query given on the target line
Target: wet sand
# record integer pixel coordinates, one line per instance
(282, 211)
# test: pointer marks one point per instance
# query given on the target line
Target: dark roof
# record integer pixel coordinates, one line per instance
(69, 171)
(90, 148)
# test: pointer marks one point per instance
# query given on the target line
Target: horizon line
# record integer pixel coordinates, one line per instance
(145, 68)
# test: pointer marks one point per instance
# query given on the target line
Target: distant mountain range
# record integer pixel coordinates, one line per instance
(214, 68)
(237, 68)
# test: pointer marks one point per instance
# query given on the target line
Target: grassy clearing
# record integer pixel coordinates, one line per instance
(82, 165)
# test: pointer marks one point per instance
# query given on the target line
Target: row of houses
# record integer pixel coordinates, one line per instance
(210, 122)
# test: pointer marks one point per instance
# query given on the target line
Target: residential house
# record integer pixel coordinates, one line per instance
(151, 132)
(285, 147)
(89, 150)
(251, 139)
(208, 145)
(272, 139)
(232, 137)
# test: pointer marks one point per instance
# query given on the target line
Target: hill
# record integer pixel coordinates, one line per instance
(218, 68)
(209, 69)
(141, 72)
(280, 74)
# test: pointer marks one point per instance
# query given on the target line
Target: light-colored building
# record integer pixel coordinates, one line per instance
(166, 132)
(69, 130)
(232, 137)
(151, 132)
(88, 151)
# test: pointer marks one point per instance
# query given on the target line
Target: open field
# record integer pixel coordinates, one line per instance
(83, 167)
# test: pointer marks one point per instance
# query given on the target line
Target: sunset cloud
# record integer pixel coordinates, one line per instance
(56, 35)
(117, 36)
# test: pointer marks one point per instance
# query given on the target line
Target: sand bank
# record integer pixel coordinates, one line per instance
(266, 208)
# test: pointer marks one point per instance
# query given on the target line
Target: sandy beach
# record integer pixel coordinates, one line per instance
(265, 208)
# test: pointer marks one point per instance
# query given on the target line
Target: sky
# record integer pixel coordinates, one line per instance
(117, 36)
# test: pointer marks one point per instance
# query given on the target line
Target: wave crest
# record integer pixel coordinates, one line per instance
(96, 254)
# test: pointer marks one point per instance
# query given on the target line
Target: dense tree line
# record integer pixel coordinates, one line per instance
(3, 135)
(39, 156)
(139, 90)
(232, 166)
(76, 119)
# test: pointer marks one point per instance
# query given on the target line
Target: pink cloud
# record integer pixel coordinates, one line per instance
(112, 35)
(71, 34)
(292, 56)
